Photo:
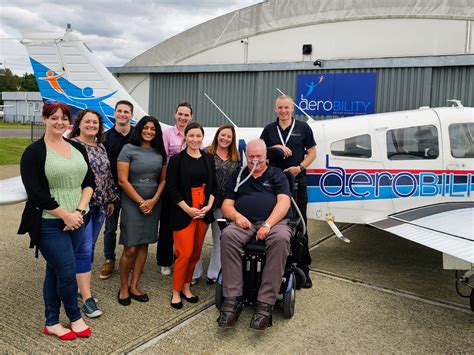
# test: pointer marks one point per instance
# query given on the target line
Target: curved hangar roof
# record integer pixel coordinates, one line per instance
(361, 31)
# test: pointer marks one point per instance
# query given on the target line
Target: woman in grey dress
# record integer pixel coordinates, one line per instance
(141, 169)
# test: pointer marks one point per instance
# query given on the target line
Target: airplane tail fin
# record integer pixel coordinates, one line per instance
(66, 70)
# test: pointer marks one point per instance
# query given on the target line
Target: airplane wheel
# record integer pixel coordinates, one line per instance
(472, 300)
(289, 301)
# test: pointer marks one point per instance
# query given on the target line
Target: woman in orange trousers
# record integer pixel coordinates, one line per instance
(191, 180)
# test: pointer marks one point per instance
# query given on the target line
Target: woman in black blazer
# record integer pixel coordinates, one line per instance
(59, 183)
(191, 181)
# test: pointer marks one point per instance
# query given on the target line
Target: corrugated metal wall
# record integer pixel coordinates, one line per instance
(452, 83)
(248, 97)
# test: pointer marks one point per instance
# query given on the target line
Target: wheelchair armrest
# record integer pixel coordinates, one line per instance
(294, 223)
(222, 223)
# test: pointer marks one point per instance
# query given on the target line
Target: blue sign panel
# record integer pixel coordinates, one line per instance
(345, 94)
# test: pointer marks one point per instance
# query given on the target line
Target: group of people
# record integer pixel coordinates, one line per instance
(147, 179)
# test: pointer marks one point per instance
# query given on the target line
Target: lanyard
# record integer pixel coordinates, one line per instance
(289, 133)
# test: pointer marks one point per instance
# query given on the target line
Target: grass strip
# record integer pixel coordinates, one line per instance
(11, 150)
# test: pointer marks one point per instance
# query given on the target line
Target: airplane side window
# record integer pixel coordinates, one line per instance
(461, 139)
(354, 147)
(413, 143)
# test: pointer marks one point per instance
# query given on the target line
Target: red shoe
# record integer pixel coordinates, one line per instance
(68, 336)
(86, 333)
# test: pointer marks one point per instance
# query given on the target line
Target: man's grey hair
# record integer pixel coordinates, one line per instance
(283, 97)
(259, 142)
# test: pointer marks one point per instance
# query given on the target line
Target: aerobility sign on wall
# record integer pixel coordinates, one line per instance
(344, 94)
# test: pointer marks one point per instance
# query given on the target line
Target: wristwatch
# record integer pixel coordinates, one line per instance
(302, 168)
(267, 225)
(83, 212)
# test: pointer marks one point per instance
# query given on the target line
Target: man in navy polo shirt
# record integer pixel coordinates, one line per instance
(115, 139)
(257, 205)
(295, 139)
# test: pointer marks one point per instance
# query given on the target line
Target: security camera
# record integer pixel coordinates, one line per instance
(244, 41)
(318, 63)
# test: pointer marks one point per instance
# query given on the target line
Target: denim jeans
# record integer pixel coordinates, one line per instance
(85, 253)
(110, 233)
(59, 248)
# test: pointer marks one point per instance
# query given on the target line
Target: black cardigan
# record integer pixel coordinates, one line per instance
(179, 187)
(37, 187)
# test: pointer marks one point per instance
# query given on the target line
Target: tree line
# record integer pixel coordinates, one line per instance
(13, 82)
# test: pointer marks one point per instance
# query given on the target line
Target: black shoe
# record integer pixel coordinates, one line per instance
(192, 299)
(124, 301)
(178, 305)
(308, 283)
(139, 298)
(211, 281)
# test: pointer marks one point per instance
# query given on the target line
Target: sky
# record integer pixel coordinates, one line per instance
(117, 31)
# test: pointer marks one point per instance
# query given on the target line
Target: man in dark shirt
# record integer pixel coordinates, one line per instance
(115, 139)
(295, 139)
(258, 209)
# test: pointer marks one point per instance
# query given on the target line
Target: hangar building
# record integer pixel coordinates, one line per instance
(405, 54)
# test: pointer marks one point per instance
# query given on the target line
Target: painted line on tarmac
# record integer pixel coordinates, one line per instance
(174, 326)
(392, 291)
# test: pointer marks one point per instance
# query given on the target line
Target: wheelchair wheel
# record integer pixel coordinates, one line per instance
(219, 295)
(300, 277)
(289, 300)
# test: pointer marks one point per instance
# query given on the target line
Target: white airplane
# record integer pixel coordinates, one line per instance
(410, 173)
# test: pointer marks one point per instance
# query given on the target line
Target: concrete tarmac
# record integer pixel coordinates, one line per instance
(378, 294)
(380, 304)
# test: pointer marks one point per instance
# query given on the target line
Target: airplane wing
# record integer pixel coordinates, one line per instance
(446, 227)
(12, 191)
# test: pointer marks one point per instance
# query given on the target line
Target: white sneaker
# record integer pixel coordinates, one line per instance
(165, 270)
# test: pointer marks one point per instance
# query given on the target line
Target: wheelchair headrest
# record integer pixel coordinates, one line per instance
(274, 155)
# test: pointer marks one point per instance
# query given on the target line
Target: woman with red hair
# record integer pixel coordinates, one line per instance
(59, 183)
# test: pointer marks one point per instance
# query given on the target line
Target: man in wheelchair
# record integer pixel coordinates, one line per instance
(257, 201)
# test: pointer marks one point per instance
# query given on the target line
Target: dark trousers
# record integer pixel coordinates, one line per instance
(302, 202)
(164, 251)
(59, 248)
(110, 233)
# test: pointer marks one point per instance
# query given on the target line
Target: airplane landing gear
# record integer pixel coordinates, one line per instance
(464, 280)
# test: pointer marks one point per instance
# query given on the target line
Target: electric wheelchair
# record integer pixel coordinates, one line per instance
(253, 262)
